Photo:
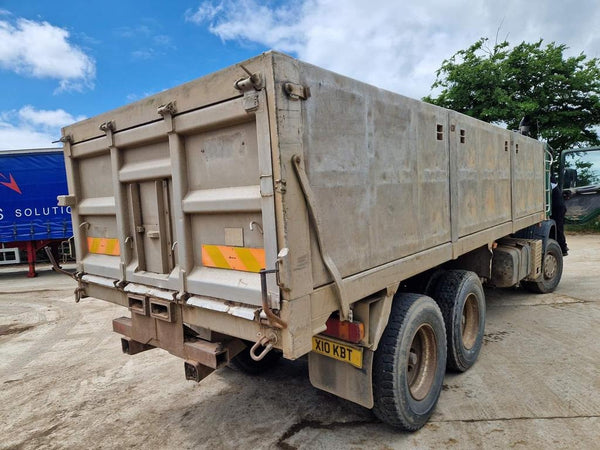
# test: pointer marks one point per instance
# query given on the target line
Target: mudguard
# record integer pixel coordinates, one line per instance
(544, 230)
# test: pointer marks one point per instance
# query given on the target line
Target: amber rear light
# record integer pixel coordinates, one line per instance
(347, 331)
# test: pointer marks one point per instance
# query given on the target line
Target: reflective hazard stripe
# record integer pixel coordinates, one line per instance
(103, 246)
(236, 258)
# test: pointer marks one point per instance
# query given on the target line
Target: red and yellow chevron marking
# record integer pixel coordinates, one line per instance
(104, 246)
(236, 258)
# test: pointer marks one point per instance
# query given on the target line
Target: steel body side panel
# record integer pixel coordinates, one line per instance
(528, 176)
(386, 188)
(378, 171)
(393, 200)
(482, 176)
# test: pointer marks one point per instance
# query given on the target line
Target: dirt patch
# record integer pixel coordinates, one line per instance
(450, 387)
(14, 329)
(306, 423)
(531, 383)
(497, 336)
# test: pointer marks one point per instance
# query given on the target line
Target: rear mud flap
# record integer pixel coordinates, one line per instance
(342, 379)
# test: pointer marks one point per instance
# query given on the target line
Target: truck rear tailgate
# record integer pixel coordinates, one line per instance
(183, 202)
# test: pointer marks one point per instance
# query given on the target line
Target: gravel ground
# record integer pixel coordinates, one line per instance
(66, 384)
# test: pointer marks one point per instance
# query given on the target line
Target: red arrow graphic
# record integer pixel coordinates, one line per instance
(12, 184)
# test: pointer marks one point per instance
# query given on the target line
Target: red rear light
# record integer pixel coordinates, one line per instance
(347, 331)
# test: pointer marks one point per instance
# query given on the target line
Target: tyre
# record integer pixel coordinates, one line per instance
(552, 267)
(409, 364)
(432, 282)
(244, 362)
(460, 297)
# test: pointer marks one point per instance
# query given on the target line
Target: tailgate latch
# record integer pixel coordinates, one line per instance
(296, 91)
(274, 320)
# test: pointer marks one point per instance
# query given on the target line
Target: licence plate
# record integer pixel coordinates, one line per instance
(337, 350)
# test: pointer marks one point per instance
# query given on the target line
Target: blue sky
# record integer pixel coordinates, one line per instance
(129, 50)
(136, 49)
(61, 61)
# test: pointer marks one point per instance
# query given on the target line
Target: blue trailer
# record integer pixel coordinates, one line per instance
(30, 181)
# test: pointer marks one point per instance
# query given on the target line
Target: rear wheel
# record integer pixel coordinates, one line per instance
(461, 299)
(552, 267)
(409, 364)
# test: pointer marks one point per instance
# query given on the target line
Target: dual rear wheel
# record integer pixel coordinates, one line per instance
(460, 297)
(409, 364)
(424, 337)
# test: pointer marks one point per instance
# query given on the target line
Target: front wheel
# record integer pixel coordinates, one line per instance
(410, 362)
(552, 267)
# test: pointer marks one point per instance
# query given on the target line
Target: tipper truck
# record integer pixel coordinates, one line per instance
(275, 208)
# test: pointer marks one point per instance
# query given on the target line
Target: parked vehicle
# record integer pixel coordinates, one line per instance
(275, 208)
(580, 181)
(30, 218)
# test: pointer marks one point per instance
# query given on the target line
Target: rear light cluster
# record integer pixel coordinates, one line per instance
(347, 331)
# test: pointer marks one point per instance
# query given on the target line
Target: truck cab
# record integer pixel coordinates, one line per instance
(580, 181)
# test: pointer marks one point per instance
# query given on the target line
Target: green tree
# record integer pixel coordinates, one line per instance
(502, 84)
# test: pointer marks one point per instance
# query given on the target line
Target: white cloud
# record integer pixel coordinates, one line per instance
(41, 50)
(134, 31)
(206, 11)
(144, 54)
(148, 37)
(14, 138)
(163, 39)
(396, 45)
(32, 128)
(49, 118)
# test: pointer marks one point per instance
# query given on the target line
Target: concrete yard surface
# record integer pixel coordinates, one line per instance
(66, 384)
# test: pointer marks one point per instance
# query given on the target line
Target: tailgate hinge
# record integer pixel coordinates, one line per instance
(67, 141)
(168, 108)
(108, 128)
(253, 82)
(296, 91)
(167, 111)
(250, 86)
(250, 101)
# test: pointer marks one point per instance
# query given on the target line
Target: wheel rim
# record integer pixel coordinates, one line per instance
(422, 362)
(469, 325)
(550, 266)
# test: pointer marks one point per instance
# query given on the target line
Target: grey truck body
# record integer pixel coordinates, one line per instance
(392, 187)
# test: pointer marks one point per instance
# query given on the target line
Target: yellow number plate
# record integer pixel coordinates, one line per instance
(337, 350)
